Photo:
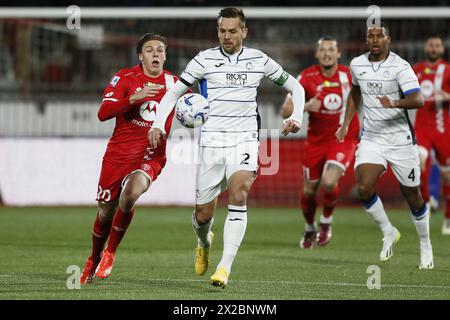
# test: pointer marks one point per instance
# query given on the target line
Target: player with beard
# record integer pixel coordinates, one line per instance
(327, 85)
(432, 125)
(229, 76)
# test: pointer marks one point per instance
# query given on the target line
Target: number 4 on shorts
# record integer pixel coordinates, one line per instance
(412, 175)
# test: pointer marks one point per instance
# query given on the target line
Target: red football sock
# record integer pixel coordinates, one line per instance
(329, 201)
(309, 205)
(120, 224)
(100, 234)
(425, 182)
(446, 190)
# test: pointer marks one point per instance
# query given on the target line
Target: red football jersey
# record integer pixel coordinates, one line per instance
(333, 93)
(433, 79)
(129, 143)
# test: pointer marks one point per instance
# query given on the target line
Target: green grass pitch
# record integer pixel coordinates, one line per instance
(155, 259)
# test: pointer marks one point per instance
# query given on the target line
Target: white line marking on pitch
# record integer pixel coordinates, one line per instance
(343, 284)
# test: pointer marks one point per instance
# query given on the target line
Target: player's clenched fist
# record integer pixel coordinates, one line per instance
(154, 137)
(146, 92)
(387, 102)
(341, 133)
(290, 126)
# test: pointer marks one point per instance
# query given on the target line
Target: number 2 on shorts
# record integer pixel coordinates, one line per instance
(247, 156)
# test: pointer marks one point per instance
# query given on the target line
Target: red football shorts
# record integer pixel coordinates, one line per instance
(431, 139)
(318, 155)
(113, 176)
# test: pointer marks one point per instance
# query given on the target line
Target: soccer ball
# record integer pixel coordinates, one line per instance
(192, 110)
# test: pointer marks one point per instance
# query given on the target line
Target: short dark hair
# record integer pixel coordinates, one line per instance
(326, 38)
(382, 25)
(233, 13)
(435, 36)
(148, 37)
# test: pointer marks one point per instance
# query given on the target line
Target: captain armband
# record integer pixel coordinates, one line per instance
(282, 79)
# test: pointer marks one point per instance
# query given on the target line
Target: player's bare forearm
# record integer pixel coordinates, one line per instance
(287, 108)
(413, 100)
(354, 99)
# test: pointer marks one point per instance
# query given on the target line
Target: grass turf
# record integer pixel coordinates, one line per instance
(155, 259)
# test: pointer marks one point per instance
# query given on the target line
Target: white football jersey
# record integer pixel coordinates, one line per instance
(230, 84)
(392, 77)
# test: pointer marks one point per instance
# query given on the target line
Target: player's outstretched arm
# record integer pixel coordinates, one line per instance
(414, 100)
(354, 99)
(165, 108)
(293, 123)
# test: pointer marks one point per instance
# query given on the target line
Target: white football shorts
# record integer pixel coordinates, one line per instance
(217, 165)
(404, 161)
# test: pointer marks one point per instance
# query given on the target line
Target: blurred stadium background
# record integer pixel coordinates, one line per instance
(52, 78)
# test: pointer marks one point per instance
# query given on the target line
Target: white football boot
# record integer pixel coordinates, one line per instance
(388, 244)
(426, 257)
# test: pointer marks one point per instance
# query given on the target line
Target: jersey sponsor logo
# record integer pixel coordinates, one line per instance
(427, 88)
(236, 79)
(332, 101)
(141, 123)
(429, 71)
(327, 84)
(148, 110)
(374, 87)
(330, 84)
(159, 86)
(114, 81)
